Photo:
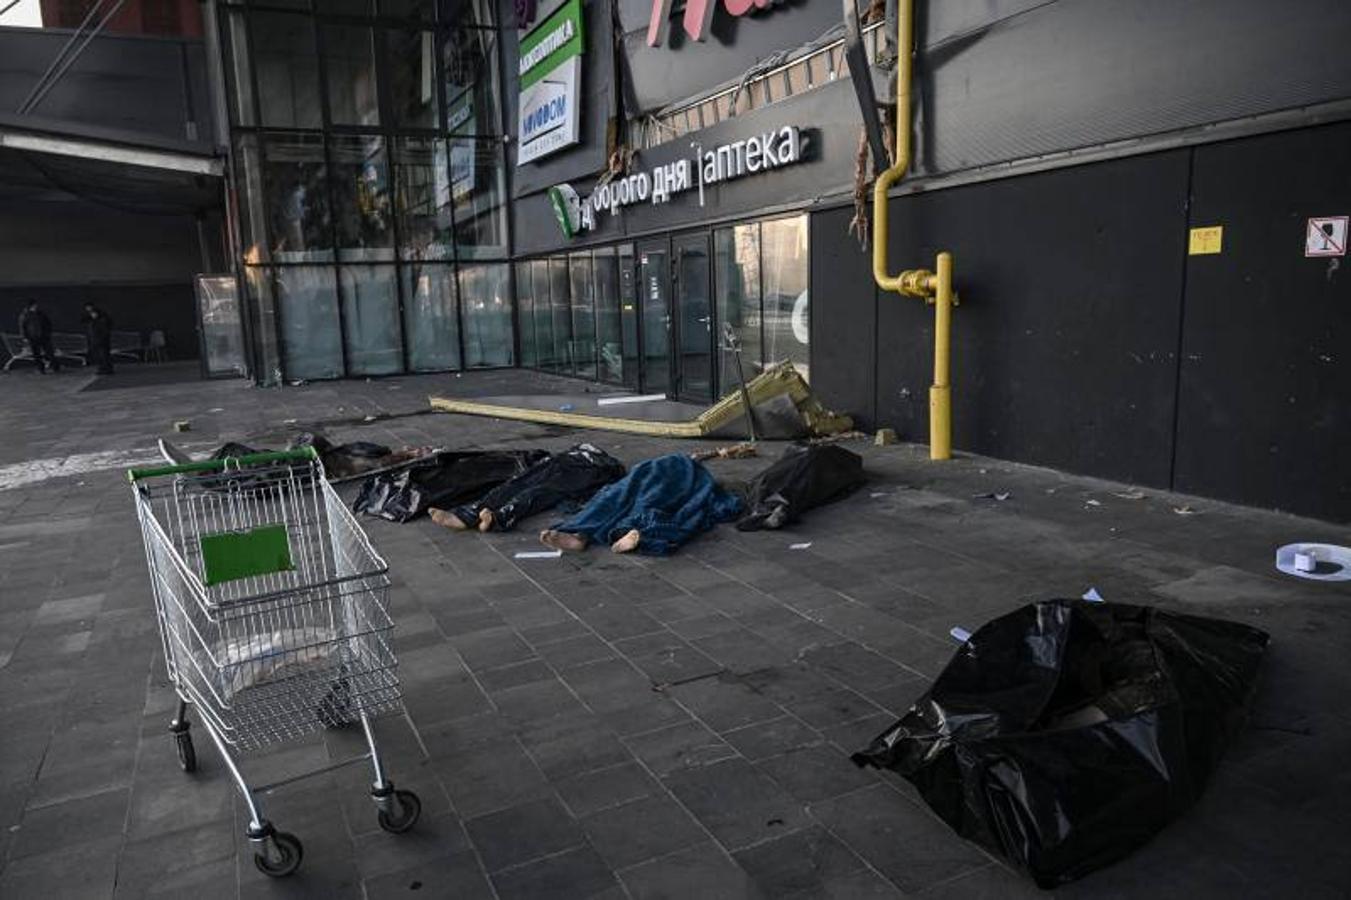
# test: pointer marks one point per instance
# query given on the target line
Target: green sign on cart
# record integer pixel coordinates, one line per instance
(233, 555)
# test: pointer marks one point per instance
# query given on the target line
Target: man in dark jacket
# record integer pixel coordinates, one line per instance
(99, 329)
(36, 329)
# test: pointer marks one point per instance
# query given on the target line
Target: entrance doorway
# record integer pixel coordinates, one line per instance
(654, 304)
(694, 317)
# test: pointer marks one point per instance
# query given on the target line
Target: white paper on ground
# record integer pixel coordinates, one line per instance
(960, 634)
(641, 398)
(802, 546)
(1093, 596)
(539, 554)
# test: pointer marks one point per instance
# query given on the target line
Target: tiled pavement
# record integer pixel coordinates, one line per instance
(603, 726)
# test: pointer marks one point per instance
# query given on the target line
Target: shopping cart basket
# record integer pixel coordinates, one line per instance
(273, 610)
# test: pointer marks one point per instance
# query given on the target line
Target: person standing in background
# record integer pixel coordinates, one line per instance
(36, 329)
(99, 329)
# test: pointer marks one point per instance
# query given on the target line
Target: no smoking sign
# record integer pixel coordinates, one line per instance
(1326, 236)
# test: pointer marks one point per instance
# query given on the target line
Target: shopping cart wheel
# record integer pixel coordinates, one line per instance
(281, 856)
(187, 756)
(409, 808)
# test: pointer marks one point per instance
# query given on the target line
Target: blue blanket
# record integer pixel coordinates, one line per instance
(669, 500)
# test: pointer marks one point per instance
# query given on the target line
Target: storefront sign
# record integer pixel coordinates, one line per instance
(550, 71)
(698, 16)
(726, 162)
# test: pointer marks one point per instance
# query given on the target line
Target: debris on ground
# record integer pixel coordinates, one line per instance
(805, 477)
(803, 545)
(782, 402)
(1092, 596)
(537, 554)
(959, 634)
(1001, 496)
(1093, 503)
(183, 425)
(1064, 734)
(735, 451)
(1318, 562)
(572, 476)
(1129, 495)
(654, 509)
(445, 478)
(1185, 510)
(884, 437)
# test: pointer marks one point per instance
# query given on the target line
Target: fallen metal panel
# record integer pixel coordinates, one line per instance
(782, 403)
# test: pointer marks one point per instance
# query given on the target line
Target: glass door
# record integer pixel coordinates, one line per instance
(654, 298)
(220, 326)
(694, 314)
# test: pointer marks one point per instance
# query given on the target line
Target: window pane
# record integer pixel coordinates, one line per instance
(310, 331)
(545, 356)
(582, 347)
(263, 323)
(561, 308)
(525, 312)
(486, 291)
(408, 9)
(370, 307)
(412, 84)
(609, 337)
(347, 7)
(478, 188)
(786, 302)
(469, 60)
(238, 71)
(737, 257)
(422, 194)
(430, 318)
(349, 64)
(251, 203)
(287, 67)
(628, 314)
(297, 198)
(361, 197)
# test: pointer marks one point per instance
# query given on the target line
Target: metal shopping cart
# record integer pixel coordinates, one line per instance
(273, 609)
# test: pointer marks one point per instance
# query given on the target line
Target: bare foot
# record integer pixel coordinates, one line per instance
(561, 540)
(447, 519)
(485, 520)
(627, 543)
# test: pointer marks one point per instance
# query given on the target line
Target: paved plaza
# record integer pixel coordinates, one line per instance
(622, 727)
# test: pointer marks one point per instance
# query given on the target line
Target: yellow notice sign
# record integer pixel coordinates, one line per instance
(1205, 240)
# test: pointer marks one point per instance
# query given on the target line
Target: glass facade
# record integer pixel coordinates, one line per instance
(607, 313)
(372, 201)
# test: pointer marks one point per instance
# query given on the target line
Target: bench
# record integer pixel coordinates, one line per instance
(128, 344)
(65, 346)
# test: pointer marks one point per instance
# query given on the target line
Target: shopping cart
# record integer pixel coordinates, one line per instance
(273, 610)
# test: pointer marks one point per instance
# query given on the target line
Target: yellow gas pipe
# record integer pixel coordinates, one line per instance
(935, 288)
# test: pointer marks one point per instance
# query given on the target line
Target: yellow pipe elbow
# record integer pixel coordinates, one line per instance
(905, 30)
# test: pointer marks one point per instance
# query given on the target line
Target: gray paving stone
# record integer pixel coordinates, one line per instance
(908, 845)
(452, 876)
(575, 651)
(577, 874)
(380, 853)
(641, 830)
(538, 702)
(724, 702)
(704, 871)
(67, 871)
(514, 675)
(148, 864)
(815, 773)
(771, 738)
(539, 636)
(45, 829)
(523, 833)
(490, 777)
(736, 803)
(686, 745)
(600, 789)
(492, 648)
(804, 862)
(575, 746)
(666, 658)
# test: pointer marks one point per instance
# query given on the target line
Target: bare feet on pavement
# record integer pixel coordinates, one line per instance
(447, 519)
(561, 540)
(485, 520)
(627, 543)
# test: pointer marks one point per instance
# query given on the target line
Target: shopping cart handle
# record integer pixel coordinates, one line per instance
(303, 454)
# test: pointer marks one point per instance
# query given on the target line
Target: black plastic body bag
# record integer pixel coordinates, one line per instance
(806, 476)
(443, 479)
(1066, 734)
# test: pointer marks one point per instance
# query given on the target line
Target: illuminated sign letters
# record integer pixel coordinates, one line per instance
(698, 17)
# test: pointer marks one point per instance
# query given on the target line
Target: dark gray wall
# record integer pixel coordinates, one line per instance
(145, 87)
(1088, 340)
